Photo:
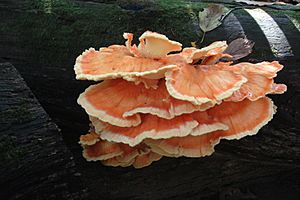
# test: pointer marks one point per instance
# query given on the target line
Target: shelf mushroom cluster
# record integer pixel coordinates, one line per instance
(151, 103)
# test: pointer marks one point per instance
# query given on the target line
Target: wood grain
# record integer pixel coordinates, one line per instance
(35, 163)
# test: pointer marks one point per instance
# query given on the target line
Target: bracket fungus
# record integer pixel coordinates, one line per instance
(151, 103)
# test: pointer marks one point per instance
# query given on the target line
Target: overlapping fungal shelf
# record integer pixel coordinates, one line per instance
(151, 103)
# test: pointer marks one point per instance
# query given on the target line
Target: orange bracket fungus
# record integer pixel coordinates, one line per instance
(157, 99)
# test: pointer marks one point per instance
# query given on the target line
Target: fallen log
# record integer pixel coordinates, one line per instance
(264, 166)
(35, 163)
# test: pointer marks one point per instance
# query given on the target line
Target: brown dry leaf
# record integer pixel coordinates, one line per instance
(212, 16)
(239, 48)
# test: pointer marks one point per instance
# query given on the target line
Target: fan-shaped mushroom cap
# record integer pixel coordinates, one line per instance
(117, 61)
(206, 124)
(114, 162)
(260, 80)
(197, 123)
(243, 118)
(96, 149)
(99, 101)
(203, 83)
(214, 49)
(267, 69)
(146, 159)
(132, 48)
(138, 156)
(138, 117)
(155, 45)
(278, 88)
(151, 127)
(160, 103)
(187, 53)
(128, 155)
(119, 102)
(100, 150)
(188, 146)
(89, 139)
(139, 161)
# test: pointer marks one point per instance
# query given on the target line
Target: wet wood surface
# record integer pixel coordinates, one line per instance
(43, 49)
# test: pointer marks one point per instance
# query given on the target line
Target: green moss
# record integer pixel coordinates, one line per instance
(169, 4)
(293, 16)
(9, 152)
(55, 37)
(295, 22)
(172, 4)
(282, 13)
(18, 114)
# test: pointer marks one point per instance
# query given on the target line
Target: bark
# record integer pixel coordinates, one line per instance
(43, 47)
(35, 163)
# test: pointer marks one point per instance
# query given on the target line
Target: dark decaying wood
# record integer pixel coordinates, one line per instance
(265, 166)
(35, 163)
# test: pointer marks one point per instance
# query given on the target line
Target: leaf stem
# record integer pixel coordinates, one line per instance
(202, 39)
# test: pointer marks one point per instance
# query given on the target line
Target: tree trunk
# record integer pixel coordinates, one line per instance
(35, 163)
(43, 41)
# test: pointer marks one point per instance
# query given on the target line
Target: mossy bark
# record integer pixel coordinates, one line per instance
(43, 47)
(35, 163)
